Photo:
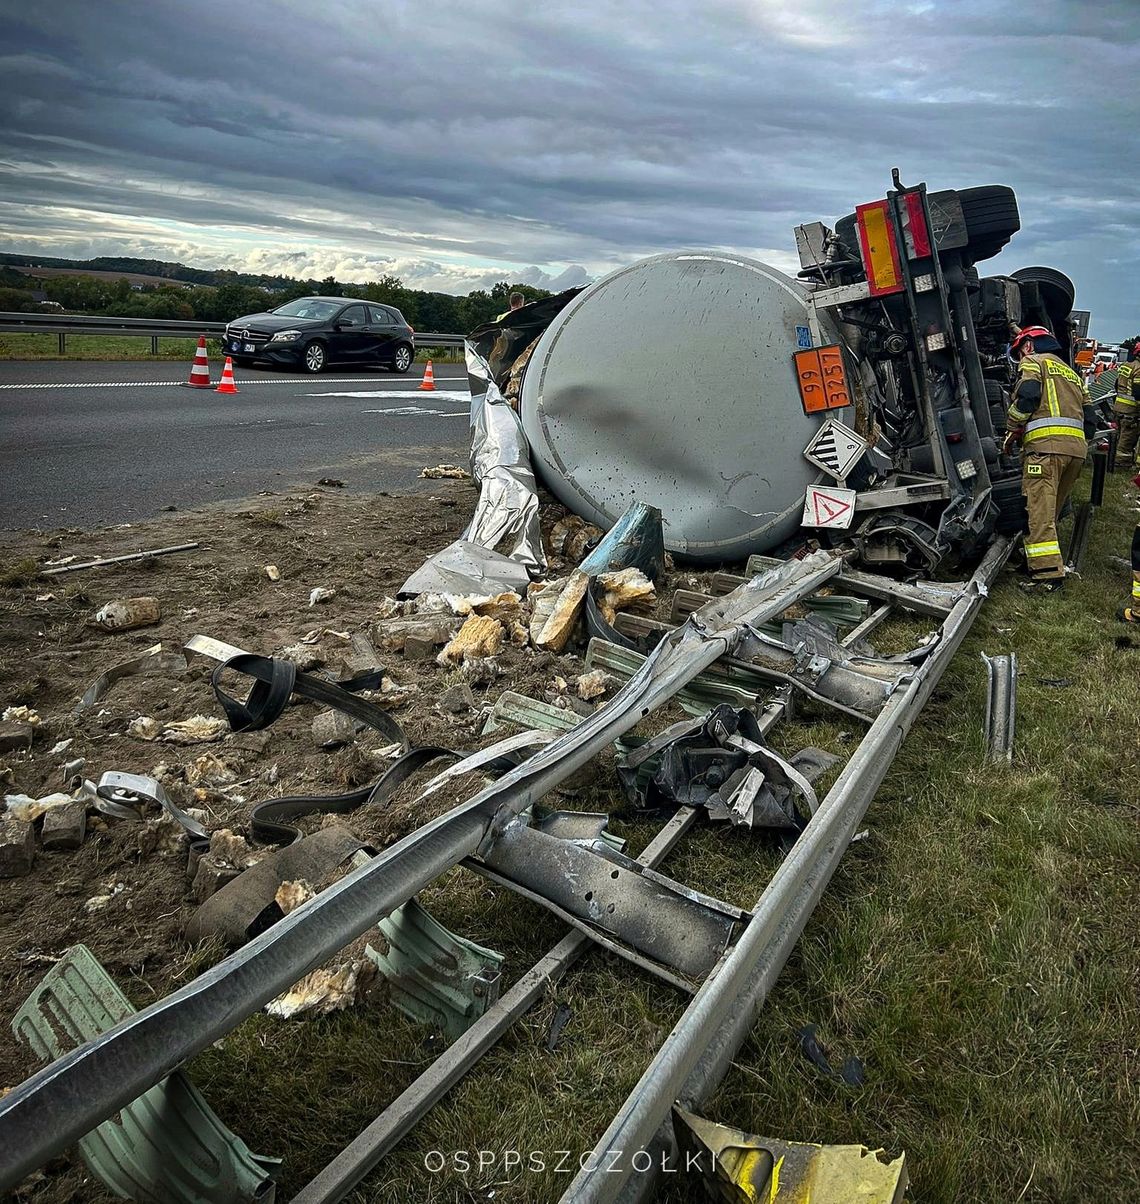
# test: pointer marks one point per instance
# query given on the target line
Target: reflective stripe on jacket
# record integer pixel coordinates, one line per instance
(1049, 401)
(1126, 378)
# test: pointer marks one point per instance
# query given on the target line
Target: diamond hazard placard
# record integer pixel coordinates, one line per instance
(835, 448)
(829, 507)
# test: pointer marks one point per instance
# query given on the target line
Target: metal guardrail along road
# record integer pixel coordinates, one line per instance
(152, 328)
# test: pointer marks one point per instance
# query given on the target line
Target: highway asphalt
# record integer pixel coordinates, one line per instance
(87, 444)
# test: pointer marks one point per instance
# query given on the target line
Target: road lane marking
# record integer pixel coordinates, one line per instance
(418, 394)
(242, 382)
(419, 410)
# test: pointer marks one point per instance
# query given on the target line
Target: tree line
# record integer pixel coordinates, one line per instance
(426, 311)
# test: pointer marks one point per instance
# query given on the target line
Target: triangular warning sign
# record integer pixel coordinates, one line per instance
(828, 509)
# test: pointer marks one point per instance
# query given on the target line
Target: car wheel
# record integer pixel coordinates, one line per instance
(402, 360)
(314, 358)
(1055, 288)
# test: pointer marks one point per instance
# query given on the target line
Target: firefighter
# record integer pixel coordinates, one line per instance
(1131, 612)
(1047, 417)
(1126, 409)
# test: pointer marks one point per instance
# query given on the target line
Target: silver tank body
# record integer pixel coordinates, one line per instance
(672, 382)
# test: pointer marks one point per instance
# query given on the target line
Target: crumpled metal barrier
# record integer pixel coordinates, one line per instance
(506, 515)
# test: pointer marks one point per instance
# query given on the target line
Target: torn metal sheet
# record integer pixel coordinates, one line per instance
(635, 541)
(738, 1168)
(506, 514)
(466, 568)
(127, 795)
(434, 975)
(723, 765)
(151, 662)
(670, 923)
(167, 1146)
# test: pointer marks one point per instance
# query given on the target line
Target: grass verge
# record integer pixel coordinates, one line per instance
(135, 347)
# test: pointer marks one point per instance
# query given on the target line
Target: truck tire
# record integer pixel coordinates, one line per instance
(991, 217)
(1055, 288)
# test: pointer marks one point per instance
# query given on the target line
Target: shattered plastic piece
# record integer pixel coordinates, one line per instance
(198, 729)
(144, 728)
(634, 541)
(165, 1146)
(273, 572)
(479, 636)
(322, 593)
(124, 614)
(22, 714)
(593, 684)
(446, 472)
(62, 747)
(290, 895)
(319, 993)
(433, 975)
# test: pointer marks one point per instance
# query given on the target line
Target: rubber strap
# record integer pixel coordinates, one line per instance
(276, 680)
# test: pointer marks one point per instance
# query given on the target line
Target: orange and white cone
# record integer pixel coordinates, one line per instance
(428, 382)
(227, 385)
(200, 372)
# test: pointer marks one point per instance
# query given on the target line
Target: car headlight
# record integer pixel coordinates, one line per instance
(286, 336)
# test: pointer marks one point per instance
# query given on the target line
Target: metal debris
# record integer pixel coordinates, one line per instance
(151, 662)
(105, 560)
(1001, 706)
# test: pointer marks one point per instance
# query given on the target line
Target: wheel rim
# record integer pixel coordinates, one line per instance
(314, 358)
(403, 358)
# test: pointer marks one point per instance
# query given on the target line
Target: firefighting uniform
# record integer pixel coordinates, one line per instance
(1048, 401)
(1132, 611)
(1126, 408)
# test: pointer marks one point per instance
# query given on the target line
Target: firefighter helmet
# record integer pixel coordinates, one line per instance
(1028, 332)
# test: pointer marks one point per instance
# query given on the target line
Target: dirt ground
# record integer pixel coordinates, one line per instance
(363, 547)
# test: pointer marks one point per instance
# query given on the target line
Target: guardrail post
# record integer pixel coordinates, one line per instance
(62, 343)
(154, 344)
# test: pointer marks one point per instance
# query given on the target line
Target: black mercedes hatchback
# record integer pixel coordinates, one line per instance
(314, 332)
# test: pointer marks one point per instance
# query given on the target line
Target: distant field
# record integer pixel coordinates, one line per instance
(135, 347)
(133, 277)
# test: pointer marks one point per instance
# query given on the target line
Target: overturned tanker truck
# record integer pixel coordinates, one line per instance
(865, 399)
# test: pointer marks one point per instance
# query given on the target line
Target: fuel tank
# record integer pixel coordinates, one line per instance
(672, 382)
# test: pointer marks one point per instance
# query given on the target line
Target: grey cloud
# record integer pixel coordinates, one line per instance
(471, 141)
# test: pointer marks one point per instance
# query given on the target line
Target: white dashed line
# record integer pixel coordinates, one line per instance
(166, 384)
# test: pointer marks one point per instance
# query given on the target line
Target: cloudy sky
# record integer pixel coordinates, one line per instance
(456, 144)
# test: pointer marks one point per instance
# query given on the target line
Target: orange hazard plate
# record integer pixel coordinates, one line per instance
(822, 379)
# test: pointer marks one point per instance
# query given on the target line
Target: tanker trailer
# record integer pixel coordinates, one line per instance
(860, 402)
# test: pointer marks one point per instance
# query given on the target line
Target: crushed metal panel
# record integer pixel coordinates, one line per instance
(433, 975)
(167, 1146)
(742, 1169)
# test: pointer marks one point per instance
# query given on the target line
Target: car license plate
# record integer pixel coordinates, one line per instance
(247, 347)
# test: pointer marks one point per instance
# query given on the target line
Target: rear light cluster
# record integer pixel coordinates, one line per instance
(878, 243)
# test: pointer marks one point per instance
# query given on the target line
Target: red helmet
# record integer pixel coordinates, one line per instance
(1029, 332)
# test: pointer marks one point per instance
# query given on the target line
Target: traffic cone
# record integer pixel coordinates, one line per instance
(200, 372)
(428, 382)
(227, 385)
